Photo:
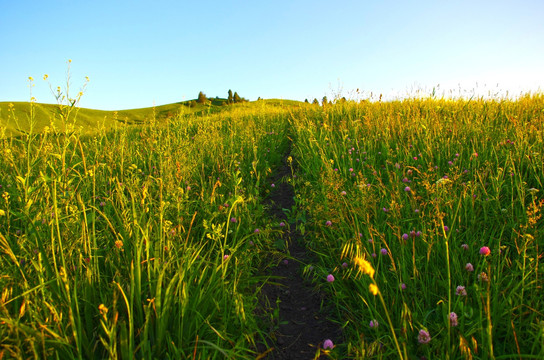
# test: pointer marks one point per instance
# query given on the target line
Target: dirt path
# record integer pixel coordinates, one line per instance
(303, 324)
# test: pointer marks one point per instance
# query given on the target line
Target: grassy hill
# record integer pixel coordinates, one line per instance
(15, 116)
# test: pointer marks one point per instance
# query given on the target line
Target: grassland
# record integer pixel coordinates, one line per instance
(144, 235)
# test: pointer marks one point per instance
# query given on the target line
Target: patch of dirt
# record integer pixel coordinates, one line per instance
(302, 325)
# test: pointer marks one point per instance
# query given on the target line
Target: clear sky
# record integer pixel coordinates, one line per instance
(141, 53)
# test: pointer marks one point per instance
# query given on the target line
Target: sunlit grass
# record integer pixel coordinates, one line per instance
(134, 234)
(423, 189)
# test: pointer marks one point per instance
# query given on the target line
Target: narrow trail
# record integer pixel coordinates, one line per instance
(302, 325)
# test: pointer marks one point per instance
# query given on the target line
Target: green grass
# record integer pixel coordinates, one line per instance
(15, 116)
(133, 235)
(417, 179)
(137, 241)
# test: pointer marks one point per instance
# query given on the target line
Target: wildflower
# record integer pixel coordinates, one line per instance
(403, 286)
(453, 319)
(282, 224)
(373, 289)
(119, 244)
(343, 193)
(30, 78)
(273, 185)
(383, 251)
(330, 278)
(256, 231)
(483, 277)
(328, 344)
(469, 267)
(465, 246)
(225, 257)
(424, 337)
(484, 250)
(251, 243)
(373, 323)
(350, 169)
(285, 262)
(103, 309)
(461, 291)
(344, 265)
(446, 228)
(405, 236)
(2, 212)
(328, 223)
(45, 76)
(364, 266)
(407, 189)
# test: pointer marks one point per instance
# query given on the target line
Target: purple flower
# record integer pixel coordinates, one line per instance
(469, 267)
(282, 224)
(345, 265)
(330, 278)
(407, 189)
(374, 323)
(233, 220)
(272, 185)
(465, 246)
(328, 223)
(373, 255)
(383, 251)
(328, 344)
(405, 236)
(256, 231)
(285, 262)
(403, 286)
(453, 319)
(418, 233)
(484, 250)
(343, 193)
(461, 291)
(446, 228)
(424, 337)
(226, 257)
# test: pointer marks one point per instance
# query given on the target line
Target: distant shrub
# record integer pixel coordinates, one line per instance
(202, 99)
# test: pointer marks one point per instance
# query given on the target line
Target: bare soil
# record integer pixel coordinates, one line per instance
(303, 324)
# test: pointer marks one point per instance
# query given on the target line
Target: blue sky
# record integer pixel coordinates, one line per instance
(141, 53)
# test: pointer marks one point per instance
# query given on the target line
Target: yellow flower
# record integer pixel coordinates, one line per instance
(30, 78)
(87, 78)
(103, 309)
(373, 289)
(364, 266)
(2, 212)
(45, 77)
(119, 244)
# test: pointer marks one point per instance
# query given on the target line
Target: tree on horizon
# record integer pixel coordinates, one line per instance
(202, 99)
(230, 98)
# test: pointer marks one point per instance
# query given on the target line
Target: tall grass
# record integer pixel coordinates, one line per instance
(421, 188)
(137, 242)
